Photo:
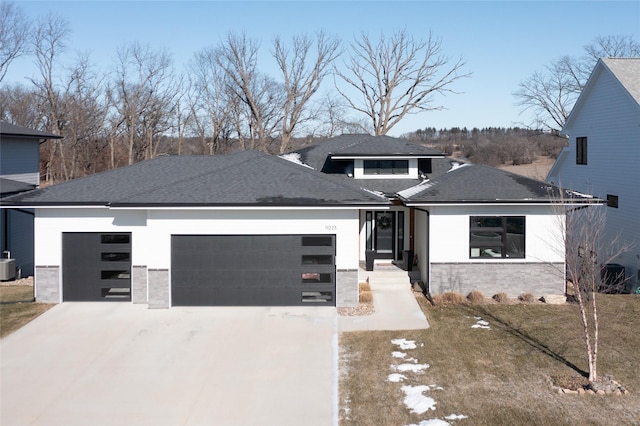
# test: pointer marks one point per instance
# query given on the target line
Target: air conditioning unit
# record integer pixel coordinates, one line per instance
(7, 269)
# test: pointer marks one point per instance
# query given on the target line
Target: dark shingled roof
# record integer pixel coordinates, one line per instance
(9, 187)
(475, 183)
(243, 178)
(19, 131)
(358, 145)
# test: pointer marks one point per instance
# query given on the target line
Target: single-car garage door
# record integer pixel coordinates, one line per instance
(96, 266)
(252, 270)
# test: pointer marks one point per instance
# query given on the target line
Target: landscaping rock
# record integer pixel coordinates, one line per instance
(554, 299)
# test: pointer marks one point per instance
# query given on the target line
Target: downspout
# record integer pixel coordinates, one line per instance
(5, 230)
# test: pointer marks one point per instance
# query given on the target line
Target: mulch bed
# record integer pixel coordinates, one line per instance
(361, 310)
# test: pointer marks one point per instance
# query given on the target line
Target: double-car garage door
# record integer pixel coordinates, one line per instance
(252, 270)
(208, 270)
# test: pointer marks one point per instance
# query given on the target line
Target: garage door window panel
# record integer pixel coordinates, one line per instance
(317, 278)
(317, 259)
(115, 238)
(317, 297)
(318, 241)
(115, 257)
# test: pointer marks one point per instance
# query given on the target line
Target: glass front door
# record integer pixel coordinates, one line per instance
(384, 233)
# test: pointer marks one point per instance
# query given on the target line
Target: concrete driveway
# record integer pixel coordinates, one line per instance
(123, 364)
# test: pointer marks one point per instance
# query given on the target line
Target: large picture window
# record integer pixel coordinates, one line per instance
(496, 237)
(386, 167)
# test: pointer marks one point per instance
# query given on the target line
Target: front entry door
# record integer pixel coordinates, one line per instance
(384, 233)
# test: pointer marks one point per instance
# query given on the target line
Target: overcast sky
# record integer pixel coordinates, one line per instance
(502, 42)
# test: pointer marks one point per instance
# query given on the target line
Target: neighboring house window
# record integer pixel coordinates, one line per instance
(581, 150)
(612, 201)
(496, 236)
(386, 167)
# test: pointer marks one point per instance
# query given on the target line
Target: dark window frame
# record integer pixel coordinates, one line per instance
(385, 167)
(581, 150)
(489, 237)
(612, 201)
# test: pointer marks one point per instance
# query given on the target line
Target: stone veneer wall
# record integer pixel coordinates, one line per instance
(159, 297)
(139, 284)
(491, 278)
(47, 282)
(346, 288)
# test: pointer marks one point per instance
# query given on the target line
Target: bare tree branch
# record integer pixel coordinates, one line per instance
(14, 35)
(396, 76)
(551, 93)
(258, 93)
(143, 96)
(302, 77)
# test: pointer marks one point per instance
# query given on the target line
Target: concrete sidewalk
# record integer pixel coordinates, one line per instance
(395, 305)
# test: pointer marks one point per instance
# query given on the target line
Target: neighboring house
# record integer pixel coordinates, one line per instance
(254, 229)
(604, 151)
(19, 172)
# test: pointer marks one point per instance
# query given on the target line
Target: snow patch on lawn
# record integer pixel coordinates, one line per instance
(431, 422)
(416, 401)
(455, 417)
(396, 377)
(414, 368)
(480, 323)
(404, 343)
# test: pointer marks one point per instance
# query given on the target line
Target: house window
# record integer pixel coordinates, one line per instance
(496, 237)
(581, 150)
(612, 201)
(386, 167)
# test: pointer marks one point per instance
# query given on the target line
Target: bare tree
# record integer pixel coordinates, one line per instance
(588, 249)
(49, 40)
(616, 46)
(303, 76)
(334, 118)
(84, 111)
(183, 116)
(551, 93)
(14, 35)
(142, 96)
(259, 95)
(396, 76)
(19, 105)
(210, 101)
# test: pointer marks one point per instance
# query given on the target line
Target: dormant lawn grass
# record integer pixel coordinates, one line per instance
(17, 307)
(503, 375)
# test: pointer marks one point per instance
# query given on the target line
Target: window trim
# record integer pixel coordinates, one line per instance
(502, 244)
(581, 150)
(372, 168)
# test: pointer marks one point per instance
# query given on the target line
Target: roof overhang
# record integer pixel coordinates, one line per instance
(383, 156)
(122, 206)
(591, 201)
